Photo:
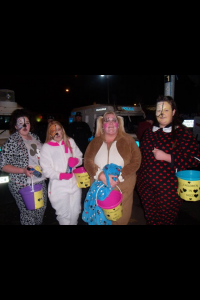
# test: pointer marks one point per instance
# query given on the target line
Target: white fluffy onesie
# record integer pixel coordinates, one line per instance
(64, 195)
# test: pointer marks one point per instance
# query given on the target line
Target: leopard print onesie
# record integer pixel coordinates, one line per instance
(15, 153)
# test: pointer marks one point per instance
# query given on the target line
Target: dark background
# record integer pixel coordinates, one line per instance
(46, 93)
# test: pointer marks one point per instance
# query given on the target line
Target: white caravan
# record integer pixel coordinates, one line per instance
(132, 115)
(7, 106)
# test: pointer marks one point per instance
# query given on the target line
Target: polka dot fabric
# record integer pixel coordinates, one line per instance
(157, 182)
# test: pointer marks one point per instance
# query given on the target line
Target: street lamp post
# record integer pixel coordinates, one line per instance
(170, 85)
(108, 87)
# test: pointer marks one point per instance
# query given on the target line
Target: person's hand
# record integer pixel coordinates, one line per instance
(73, 162)
(27, 172)
(113, 183)
(65, 176)
(161, 155)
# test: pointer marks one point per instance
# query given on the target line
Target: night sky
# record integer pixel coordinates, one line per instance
(46, 93)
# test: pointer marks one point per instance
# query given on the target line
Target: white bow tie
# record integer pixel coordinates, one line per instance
(167, 130)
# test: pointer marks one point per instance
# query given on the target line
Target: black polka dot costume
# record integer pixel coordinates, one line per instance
(157, 182)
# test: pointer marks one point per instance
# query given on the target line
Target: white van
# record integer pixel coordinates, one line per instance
(132, 115)
(7, 106)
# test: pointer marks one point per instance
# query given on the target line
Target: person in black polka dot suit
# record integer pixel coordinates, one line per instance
(167, 148)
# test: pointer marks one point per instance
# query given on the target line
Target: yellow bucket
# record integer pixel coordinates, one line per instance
(112, 206)
(189, 185)
(82, 177)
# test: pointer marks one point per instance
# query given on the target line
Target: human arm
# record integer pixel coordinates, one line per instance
(186, 152)
(8, 159)
(14, 170)
(184, 155)
(113, 183)
(77, 158)
(65, 176)
(161, 155)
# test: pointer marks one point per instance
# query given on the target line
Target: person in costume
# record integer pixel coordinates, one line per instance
(112, 145)
(20, 154)
(80, 132)
(59, 156)
(167, 148)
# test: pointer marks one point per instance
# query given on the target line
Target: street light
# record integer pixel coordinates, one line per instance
(108, 87)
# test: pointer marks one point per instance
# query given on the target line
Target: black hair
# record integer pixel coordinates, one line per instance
(176, 122)
(19, 113)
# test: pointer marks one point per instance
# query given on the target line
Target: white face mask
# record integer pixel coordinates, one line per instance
(21, 122)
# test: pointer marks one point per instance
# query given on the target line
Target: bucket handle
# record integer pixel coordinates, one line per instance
(101, 187)
(32, 184)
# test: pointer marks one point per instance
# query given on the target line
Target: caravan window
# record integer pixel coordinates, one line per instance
(4, 122)
(131, 123)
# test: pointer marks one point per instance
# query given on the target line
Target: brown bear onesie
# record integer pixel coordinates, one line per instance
(125, 148)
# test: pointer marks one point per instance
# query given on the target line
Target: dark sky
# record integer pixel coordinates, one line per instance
(46, 93)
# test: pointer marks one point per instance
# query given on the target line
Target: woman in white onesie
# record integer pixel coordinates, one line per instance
(59, 157)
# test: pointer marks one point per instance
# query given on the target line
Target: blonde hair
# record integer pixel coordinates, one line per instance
(100, 120)
(49, 137)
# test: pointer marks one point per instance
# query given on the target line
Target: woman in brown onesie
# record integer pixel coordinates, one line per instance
(113, 145)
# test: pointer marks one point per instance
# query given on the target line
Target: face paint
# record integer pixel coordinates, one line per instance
(53, 132)
(21, 122)
(164, 113)
(159, 109)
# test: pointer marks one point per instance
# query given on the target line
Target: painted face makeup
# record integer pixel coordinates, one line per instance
(53, 131)
(110, 125)
(159, 109)
(21, 123)
(164, 113)
(106, 125)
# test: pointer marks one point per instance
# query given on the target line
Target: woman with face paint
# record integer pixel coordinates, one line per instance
(59, 157)
(167, 148)
(20, 154)
(113, 146)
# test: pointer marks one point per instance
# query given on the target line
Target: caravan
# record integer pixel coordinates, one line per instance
(7, 106)
(132, 115)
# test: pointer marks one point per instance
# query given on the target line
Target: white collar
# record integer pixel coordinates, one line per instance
(165, 129)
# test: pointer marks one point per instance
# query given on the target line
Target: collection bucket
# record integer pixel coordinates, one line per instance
(112, 206)
(82, 177)
(189, 185)
(33, 196)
